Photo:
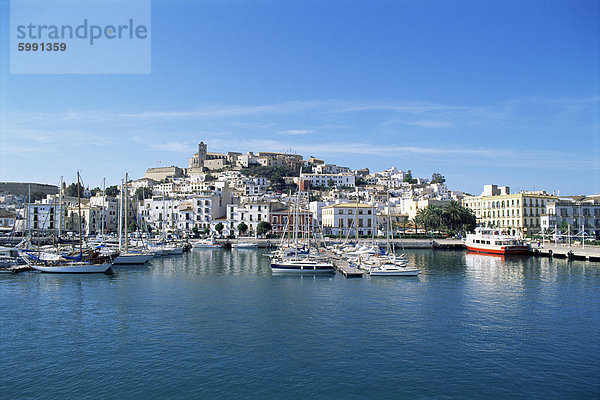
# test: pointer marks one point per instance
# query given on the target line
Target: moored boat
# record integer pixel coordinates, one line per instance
(393, 270)
(244, 245)
(301, 266)
(133, 258)
(207, 244)
(494, 241)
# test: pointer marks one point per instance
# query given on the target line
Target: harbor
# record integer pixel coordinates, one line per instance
(219, 314)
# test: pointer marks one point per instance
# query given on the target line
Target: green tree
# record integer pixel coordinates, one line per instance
(564, 227)
(360, 181)
(111, 191)
(95, 191)
(419, 220)
(437, 178)
(132, 227)
(330, 183)
(434, 217)
(242, 228)
(71, 190)
(142, 193)
(408, 177)
(38, 195)
(263, 228)
(468, 219)
(453, 215)
(209, 178)
(219, 227)
(206, 231)
(195, 231)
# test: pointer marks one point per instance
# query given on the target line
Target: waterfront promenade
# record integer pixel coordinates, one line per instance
(590, 253)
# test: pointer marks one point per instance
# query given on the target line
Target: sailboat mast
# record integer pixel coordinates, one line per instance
(289, 199)
(121, 217)
(126, 212)
(356, 219)
(164, 215)
(79, 207)
(102, 216)
(61, 216)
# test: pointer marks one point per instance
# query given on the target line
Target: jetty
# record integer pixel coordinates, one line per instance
(589, 253)
(344, 267)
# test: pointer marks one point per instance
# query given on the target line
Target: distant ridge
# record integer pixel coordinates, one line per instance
(22, 188)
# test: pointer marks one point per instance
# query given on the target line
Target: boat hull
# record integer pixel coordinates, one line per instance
(73, 268)
(408, 272)
(502, 250)
(132, 259)
(302, 269)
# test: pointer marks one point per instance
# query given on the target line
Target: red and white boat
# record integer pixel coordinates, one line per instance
(493, 241)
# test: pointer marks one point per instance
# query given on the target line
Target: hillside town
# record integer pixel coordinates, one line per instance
(235, 194)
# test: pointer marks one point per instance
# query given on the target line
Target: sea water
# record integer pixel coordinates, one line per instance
(216, 324)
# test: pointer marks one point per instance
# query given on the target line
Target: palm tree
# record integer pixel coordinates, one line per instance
(420, 219)
(453, 214)
(434, 217)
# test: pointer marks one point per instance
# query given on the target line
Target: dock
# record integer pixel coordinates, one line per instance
(589, 253)
(344, 267)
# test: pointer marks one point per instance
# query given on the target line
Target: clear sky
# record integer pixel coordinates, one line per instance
(504, 92)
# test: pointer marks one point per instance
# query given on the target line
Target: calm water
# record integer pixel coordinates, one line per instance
(216, 324)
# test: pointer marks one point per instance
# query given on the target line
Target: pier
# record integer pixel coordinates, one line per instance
(344, 267)
(589, 253)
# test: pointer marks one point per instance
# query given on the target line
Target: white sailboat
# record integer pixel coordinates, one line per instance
(392, 264)
(128, 257)
(55, 263)
(295, 258)
(244, 245)
(207, 244)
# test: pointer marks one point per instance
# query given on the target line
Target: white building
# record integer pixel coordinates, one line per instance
(349, 218)
(183, 214)
(251, 214)
(338, 180)
(580, 214)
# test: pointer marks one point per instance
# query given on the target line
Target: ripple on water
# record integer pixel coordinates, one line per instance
(217, 324)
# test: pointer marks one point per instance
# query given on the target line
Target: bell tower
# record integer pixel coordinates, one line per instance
(201, 153)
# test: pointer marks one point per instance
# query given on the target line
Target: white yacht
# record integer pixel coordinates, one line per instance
(244, 245)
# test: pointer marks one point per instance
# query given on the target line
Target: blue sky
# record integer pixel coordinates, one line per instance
(504, 92)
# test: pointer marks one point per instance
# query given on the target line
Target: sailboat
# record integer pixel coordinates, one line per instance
(293, 263)
(128, 257)
(92, 262)
(392, 265)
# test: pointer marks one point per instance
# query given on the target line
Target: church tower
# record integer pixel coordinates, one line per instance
(201, 153)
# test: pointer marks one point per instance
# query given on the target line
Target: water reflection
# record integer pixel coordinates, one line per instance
(492, 267)
(214, 262)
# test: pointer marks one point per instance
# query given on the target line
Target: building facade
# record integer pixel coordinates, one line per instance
(515, 214)
(349, 219)
(579, 215)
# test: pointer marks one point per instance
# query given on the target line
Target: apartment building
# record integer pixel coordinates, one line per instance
(349, 218)
(580, 214)
(516, 214)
